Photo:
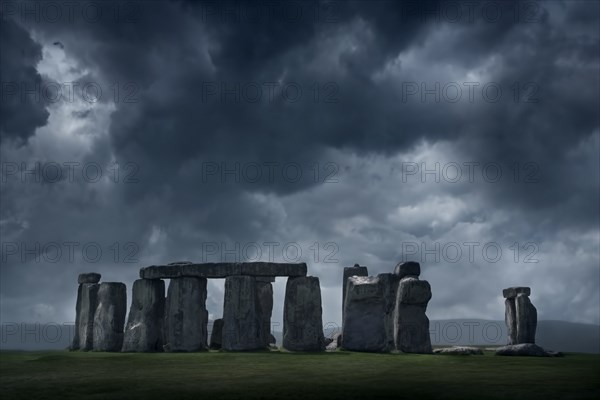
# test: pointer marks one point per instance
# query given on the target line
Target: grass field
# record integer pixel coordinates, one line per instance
(280, 375)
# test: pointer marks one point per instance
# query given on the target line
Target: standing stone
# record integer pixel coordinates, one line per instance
(411, 322)
(520, 315)
(144, 329)
(510, 317)
(242, 322)
(264, 293)
(356, 270)
(186, 317)
(302, 315)
(216, 336)
(109, 318)
(526, 319)
(388, 284)
(364, 326)
(87, 299)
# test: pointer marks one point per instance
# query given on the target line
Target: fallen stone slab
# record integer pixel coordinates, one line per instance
(109, 318)
(459, 350)
(223, 270)
(145, 325)
(512, 292)
(525, 349)
(89, 277)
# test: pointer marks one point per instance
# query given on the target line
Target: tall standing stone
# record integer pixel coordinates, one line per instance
(216, 336)
(242, 321)
(144, 329)
(264, 293)
(302, 315)
(356, 270)
(520, 315)
(368, 316)
(411, 322)
(87, 300)
(109, 318)
(186, 317)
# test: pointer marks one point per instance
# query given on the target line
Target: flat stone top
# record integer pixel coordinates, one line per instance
(89, 277)
(511, 292)
(223, 270)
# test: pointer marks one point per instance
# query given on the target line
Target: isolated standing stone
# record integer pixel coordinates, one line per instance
(356, 270)
(302, 315)
(87, 294)
(411, 322)
(242, 322)
(144, 329)
(186, 317)
(364, 326)
(216, 336)
(264, 293)
(520, 315)
(109, 318)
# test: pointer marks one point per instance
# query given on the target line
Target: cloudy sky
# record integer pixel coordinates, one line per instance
(464, 136)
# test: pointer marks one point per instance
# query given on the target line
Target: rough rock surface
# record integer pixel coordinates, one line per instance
(144, 330)
(510, 317)
(109, 318)
(364, 326)
(525, 349)
(526, 319)
(409, 268)
(90, 277)
(410, 322)
(242, 322)
(186, 317)
(302, 315)
(222, 270)
(459, 350)
(356, 270)
(264, 294)
(512, 292)
(87, 300)
(216, 336)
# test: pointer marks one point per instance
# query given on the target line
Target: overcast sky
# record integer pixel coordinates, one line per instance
(464, 136)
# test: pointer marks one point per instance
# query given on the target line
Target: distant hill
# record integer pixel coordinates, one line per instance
(553, 335)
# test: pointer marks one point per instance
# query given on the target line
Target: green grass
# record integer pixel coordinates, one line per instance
(281, 375)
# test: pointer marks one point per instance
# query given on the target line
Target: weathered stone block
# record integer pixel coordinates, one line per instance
(216, 336)
(90, 277)
(186, 317)
(302, 315)
(87, 300)
(526, 319)
(411, 323)
(510, 317)
(264, 293)
(409, 268)
(109, 318)
(222, 270)
(364, 326)
(414, 291)
(356, 270)
(144, 330)
(242, 322)
(512, 292)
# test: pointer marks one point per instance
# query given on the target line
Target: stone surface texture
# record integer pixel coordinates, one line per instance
(302, 315)
(186, 317)
(144, 331)
(242, 321)
(109, 318)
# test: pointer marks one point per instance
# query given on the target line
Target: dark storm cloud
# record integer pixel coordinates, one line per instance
(179, 63)
(22, 109)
